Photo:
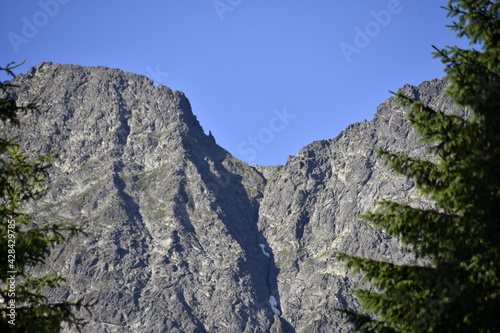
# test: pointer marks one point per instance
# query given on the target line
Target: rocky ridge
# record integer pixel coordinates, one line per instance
(183, 237)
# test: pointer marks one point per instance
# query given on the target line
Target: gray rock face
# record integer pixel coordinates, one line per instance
(183, 237)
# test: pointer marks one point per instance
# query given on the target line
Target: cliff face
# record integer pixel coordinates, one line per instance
(183, 237)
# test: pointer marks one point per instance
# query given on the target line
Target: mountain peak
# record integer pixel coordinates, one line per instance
(101, 108)
(183, 237)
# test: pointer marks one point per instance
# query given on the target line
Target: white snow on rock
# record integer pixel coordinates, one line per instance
(263, 246)
(273, 302)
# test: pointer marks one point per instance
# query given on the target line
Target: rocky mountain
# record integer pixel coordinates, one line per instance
(183, 237)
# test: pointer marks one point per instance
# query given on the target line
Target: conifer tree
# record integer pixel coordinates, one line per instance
(23, 306)
(459, 289)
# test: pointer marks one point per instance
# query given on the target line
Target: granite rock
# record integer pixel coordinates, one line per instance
(183, 237)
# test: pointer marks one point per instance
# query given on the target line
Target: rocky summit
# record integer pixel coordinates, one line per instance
(182, 236)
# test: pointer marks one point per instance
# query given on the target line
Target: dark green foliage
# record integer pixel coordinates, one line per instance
(22, 244)
(459, 289)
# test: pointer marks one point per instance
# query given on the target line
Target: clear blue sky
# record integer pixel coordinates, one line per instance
(267, 77)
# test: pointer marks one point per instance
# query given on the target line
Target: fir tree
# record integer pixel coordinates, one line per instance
(459, 290)
(23, 306)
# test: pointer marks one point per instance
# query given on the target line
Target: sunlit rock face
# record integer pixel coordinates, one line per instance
(182, 236)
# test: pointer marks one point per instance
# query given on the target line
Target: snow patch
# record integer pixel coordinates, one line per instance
(263, 246)
(273, 302)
